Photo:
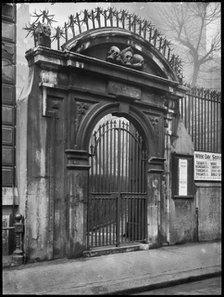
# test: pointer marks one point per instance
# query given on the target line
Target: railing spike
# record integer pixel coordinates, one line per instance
(78, 22)
(66, 31)
(71, 24)
(86, 18)
(117, 18)
(110, 16)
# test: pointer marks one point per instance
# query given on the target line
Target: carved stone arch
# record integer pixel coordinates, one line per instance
(96, 43)
(134, 115)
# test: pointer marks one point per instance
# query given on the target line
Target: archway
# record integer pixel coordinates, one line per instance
(120, 109)
(117, 201)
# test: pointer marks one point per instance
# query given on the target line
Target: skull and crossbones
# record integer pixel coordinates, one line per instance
(113, 53)
(125, 57)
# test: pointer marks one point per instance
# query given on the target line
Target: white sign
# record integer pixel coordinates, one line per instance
(207, 166)
(182, 177)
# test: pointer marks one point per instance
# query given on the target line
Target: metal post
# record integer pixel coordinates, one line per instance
(197, 224)
(18, 256)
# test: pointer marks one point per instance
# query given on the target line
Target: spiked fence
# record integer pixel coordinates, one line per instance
(200, 110)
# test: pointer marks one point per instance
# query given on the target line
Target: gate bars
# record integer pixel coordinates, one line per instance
(115, 220)
(117, 202)
(200, 110)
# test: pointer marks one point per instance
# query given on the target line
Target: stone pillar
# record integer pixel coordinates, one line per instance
(77, 195)
(155, 169)
(167, 177)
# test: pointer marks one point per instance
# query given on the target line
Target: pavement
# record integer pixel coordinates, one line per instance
(120, 273)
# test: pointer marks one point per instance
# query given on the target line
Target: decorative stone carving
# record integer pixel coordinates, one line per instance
(155, 123)
(82, 108)
(155, 120)
(113, 54)
(126, 57)
(42, 34)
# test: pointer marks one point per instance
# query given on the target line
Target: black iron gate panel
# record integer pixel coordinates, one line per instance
(117, 202)
(115, 219)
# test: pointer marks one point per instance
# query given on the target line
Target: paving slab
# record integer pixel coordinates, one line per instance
(115, 273)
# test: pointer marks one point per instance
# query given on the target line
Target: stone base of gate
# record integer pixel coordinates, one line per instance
(132, 247)
(100, 251)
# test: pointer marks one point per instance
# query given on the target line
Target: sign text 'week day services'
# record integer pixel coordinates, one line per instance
(207, 166)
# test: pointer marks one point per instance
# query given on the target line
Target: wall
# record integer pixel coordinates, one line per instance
(208, 197)
(182, 218)
(185, 224)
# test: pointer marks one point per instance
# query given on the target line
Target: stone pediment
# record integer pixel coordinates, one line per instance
(123, 48)
(94, 34)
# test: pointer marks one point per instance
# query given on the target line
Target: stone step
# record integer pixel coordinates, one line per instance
(106, 250)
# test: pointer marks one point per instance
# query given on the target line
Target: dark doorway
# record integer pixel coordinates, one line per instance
(117, 201)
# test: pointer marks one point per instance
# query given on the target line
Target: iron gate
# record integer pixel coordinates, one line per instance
(117, 202)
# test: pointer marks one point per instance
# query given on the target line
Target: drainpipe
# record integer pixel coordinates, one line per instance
(196, 218)
(167, 177)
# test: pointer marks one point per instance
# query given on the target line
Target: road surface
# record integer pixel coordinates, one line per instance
(211, 286)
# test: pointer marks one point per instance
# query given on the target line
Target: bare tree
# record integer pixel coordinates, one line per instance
(187, 23)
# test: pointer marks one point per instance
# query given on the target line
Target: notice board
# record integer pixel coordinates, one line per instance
(182, 176)
(207, 166)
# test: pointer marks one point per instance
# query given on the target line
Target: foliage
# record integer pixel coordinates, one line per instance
(188, 23)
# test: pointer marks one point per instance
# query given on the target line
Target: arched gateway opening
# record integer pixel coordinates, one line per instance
(116, 211)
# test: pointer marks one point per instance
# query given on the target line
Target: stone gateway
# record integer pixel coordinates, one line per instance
(88, 183)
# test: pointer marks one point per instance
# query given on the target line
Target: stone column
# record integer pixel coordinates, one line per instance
(155, 169)
(77, 195)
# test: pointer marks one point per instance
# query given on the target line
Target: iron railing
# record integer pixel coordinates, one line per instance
(18, 253)
(200, 110)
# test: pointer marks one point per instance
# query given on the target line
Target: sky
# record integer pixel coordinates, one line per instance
(62, 10)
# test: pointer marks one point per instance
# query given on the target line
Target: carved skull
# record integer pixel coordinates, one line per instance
(127, 57)
(113, 53)
(38, 29)
(46, 30)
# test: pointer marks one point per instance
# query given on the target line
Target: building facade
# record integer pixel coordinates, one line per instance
(9, 191)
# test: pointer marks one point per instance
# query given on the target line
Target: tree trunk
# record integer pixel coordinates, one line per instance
(195, 74)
